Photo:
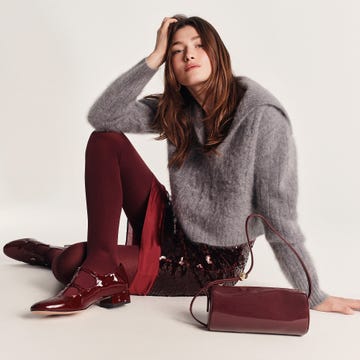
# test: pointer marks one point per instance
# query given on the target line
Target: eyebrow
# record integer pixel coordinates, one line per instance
(179, 42)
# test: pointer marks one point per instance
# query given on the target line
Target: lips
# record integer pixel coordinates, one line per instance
(189, 67)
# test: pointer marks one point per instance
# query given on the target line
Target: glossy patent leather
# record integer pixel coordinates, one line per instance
(256, 309)
(109, 290)
(26, 250)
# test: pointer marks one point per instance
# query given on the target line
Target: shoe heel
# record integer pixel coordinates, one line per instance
(116, 300)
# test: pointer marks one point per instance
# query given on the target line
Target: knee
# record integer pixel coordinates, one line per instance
(104, 137)
(65, 264)
(59, 273)
(106, 140)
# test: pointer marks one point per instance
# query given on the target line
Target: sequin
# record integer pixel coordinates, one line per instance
(186, 266)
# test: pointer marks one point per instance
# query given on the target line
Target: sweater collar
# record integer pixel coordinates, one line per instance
(253, 95)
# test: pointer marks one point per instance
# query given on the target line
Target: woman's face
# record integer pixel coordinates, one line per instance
(190, 62)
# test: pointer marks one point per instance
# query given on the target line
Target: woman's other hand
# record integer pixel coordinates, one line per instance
(339, 304)
(156, 58)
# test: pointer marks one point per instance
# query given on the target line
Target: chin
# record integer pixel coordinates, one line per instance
(193, 83)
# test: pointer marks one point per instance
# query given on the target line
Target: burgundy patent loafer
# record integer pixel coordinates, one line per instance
(29, 251)
(109, 290)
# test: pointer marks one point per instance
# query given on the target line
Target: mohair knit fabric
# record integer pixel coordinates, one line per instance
(212, 196)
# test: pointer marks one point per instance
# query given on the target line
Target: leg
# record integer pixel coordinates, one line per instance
(116, 177)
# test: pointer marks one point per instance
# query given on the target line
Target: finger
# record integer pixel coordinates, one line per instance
(342, 308)
(354, 303)
(169, 20)
(349, 311)
(165, 25)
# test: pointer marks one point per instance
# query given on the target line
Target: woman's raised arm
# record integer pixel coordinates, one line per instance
(157, 57)
(117, 108)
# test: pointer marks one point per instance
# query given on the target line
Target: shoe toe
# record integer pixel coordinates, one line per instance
(15, 244)
(25, 250)
(14, 249)
(56, 305)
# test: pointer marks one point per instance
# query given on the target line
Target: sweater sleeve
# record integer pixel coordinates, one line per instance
(117, 108)
(276, 188)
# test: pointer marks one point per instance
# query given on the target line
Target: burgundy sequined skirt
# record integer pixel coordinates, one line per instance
(185, 266)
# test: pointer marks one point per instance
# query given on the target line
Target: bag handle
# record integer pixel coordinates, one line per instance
(242, 276)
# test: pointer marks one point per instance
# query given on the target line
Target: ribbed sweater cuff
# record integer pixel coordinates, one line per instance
(317, 296)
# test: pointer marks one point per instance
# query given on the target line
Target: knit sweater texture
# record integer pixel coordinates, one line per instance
(212, 196)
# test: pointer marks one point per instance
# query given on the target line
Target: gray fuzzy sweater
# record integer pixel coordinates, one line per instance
(212, 196)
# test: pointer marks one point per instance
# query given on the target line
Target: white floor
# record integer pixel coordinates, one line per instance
(161, 328)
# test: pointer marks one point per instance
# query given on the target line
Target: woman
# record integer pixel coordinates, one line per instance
(230, 151)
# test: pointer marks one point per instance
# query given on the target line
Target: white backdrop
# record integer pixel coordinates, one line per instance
(58, 56)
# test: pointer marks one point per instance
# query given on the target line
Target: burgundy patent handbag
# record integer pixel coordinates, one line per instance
(254, 309)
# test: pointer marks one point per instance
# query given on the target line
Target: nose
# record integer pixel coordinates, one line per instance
(187, 56)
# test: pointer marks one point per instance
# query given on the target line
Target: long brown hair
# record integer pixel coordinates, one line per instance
(172, 119)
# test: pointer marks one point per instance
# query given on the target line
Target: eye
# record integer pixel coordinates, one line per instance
(175, 51)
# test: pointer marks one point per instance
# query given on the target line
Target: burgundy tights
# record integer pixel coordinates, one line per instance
(116, 178)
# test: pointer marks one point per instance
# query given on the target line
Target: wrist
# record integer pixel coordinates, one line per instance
(154, 60)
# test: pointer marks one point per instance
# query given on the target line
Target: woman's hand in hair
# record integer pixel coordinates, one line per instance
(339, 304)
(156, 58)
